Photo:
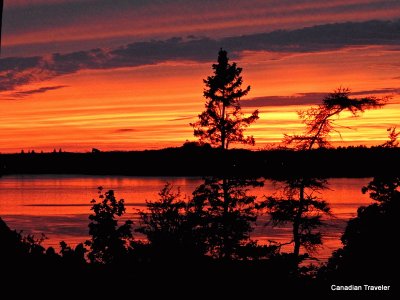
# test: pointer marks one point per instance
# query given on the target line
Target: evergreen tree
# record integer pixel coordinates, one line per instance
(300, 206)
(223, 122)
(223, 209)
(320, 122)
(226, 213)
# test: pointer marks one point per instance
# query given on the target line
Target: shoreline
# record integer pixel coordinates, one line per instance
(351, 162)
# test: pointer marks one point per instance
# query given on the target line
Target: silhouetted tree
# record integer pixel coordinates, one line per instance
(320, 120)
(223, 208)
(109, 241)
(33, 245)
(370, 250)
(393, 136)
(215, 222)
(223, 122)
(73, 256)
(226, 214)
(170, 228)
(383, 189)
(300, 206)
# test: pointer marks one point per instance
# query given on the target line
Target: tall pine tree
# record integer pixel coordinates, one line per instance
(226, 211)
(223, 122)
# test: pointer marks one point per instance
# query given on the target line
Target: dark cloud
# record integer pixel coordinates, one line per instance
(19, 63)
(44, 15)
(18, 71)
(308, 98)
(321, 37)
(122, 130)
(176, 48)
(182, 118)
(298, 99)
(36, 91)
(385, 91)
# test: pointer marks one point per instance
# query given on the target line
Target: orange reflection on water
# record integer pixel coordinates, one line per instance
(58, 206)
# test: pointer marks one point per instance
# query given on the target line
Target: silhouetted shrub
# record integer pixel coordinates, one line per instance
(109, 242)
(170, 228)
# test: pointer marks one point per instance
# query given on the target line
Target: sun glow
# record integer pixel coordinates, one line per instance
(152, 106)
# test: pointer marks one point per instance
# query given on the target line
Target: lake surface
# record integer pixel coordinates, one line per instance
(59, 205)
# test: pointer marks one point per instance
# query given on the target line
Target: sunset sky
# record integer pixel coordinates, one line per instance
(127, 74)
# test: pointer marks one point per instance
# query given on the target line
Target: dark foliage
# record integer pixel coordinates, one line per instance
(171, 229)
(223, 123)
(16, 246)
(370, 252)
(215, 222)
(73, 256)
(320, 120)
(305, 211)
(109, 242)
(393, 136)
(299, 205)
(226, 214)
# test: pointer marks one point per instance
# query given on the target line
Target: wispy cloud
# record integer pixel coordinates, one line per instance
(124, 130)
(384, 91)
(41, 90)
(182, 118)
(18, 71)
(308, 98)
(298, 99)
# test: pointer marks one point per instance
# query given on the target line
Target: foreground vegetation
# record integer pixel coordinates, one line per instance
(201, 241)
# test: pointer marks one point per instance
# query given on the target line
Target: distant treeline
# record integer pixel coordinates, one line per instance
(193, 160)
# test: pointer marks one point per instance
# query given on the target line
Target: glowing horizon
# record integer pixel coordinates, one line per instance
(142, 85)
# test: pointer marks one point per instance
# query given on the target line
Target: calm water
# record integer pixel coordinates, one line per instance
(58, 206)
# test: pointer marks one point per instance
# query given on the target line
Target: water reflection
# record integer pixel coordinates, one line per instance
(59, 205)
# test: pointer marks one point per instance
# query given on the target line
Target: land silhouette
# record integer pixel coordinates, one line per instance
(204, 243)
(193, 159)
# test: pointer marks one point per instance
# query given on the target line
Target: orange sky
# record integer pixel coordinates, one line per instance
(136, 104)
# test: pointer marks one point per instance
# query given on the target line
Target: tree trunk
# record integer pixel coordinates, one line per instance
(225, 251)
(223, 133)
(296, 223)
